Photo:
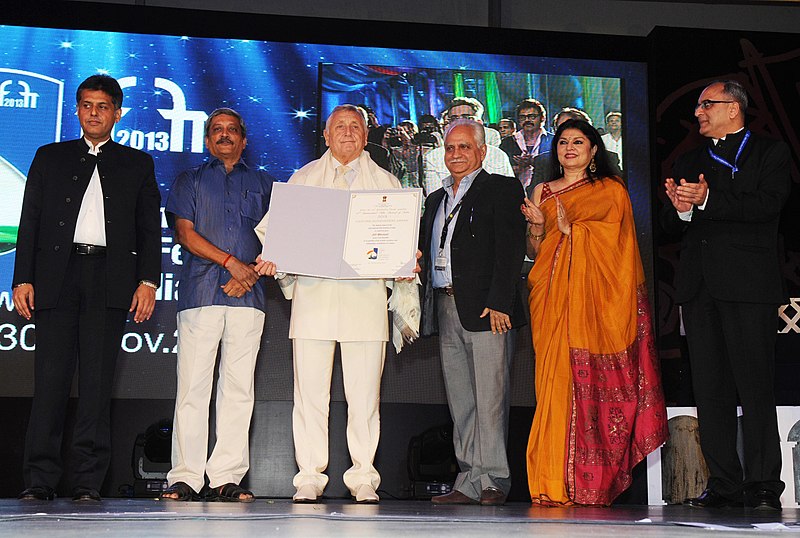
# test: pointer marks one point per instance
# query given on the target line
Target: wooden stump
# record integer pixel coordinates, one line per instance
(683, 469)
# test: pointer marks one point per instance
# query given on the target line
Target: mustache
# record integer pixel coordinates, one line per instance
(224, 140)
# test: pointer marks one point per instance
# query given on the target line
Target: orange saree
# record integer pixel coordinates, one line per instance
(600, 406)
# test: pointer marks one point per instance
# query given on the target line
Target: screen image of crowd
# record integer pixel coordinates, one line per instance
(409, 109)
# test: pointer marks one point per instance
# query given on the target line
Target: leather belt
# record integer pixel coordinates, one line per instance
(447, 290)
(89, 250)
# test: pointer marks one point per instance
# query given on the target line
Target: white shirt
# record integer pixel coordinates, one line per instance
(90, 228)
(613, 145)
(351, 174)
(492, 136)
(443, 278)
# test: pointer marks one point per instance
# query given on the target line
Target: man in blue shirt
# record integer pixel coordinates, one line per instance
(213, 209)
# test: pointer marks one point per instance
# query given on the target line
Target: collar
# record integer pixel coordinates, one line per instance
(716, 140)
(519, 136)
(447, 183)
(95, 149)
(354, 165)
(214, 161)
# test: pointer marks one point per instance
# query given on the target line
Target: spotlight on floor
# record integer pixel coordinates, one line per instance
(152, 459)
(432, 465)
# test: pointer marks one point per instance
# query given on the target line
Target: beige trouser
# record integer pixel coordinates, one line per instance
(200, 332)
(362, 367)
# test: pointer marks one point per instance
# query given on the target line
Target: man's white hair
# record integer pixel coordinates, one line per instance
(350, 108)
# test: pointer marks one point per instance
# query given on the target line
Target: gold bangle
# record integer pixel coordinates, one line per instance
(534, 236)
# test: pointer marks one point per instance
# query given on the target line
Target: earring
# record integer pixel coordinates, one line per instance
(592, 166)
(561, 169)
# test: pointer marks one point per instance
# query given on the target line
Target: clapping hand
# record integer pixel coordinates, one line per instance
(533, 214)
(672, 193)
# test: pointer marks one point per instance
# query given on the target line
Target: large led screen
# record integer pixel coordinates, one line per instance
(283, 90)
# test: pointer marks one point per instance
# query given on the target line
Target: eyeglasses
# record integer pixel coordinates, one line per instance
(708, 103)
(528, 116)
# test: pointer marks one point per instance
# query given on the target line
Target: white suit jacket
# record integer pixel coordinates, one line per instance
(341, 310)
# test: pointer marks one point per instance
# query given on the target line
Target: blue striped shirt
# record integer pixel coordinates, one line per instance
(224, 209)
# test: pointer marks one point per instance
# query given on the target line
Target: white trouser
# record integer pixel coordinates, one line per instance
(200, 331)
(362, 367)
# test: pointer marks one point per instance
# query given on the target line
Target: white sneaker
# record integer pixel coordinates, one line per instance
(307, 493)
(366, 494)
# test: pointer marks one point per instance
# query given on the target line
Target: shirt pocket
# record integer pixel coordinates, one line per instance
(253, 206)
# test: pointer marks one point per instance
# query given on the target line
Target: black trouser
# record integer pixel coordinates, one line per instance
(82, 330)
(732, 351)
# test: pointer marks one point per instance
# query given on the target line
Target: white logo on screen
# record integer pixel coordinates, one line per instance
(23, 98)
(178, 116)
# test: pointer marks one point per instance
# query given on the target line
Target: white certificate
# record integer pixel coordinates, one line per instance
(342, 234)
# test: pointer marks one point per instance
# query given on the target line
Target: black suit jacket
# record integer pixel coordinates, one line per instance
(486, 251)
(57, 181)
(732, 244)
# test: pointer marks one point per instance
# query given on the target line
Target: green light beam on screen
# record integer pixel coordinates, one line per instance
(494, 104)
(458, 85)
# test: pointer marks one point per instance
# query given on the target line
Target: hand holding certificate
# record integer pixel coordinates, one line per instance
(342, 234)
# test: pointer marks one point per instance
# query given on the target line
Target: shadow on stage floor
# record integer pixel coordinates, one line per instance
(335, 517)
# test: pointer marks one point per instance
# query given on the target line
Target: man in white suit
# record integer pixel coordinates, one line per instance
(327, 311)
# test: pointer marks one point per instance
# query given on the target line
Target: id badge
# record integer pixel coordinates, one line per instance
(441, 261)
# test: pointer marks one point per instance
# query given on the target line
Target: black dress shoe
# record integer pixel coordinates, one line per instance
(82, 494)
(37, 493)
(711, 499)
(765, 500)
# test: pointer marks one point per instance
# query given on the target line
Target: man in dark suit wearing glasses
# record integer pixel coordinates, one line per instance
(726, 200)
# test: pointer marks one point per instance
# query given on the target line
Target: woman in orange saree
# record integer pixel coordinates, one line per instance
(600, 406)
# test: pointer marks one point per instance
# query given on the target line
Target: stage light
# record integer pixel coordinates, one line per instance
(432, 464)
(152, 459)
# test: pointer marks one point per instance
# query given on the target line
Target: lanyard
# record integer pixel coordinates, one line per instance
(733, 166)
(450, 216)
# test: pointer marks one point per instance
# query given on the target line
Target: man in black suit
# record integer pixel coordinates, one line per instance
(473, 244)
(89, 245)
(726, 199)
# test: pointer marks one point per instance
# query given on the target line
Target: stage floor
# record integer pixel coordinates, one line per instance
(279, 517)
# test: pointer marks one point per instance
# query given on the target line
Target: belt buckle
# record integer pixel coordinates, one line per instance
(448, 290)
(84, 249)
